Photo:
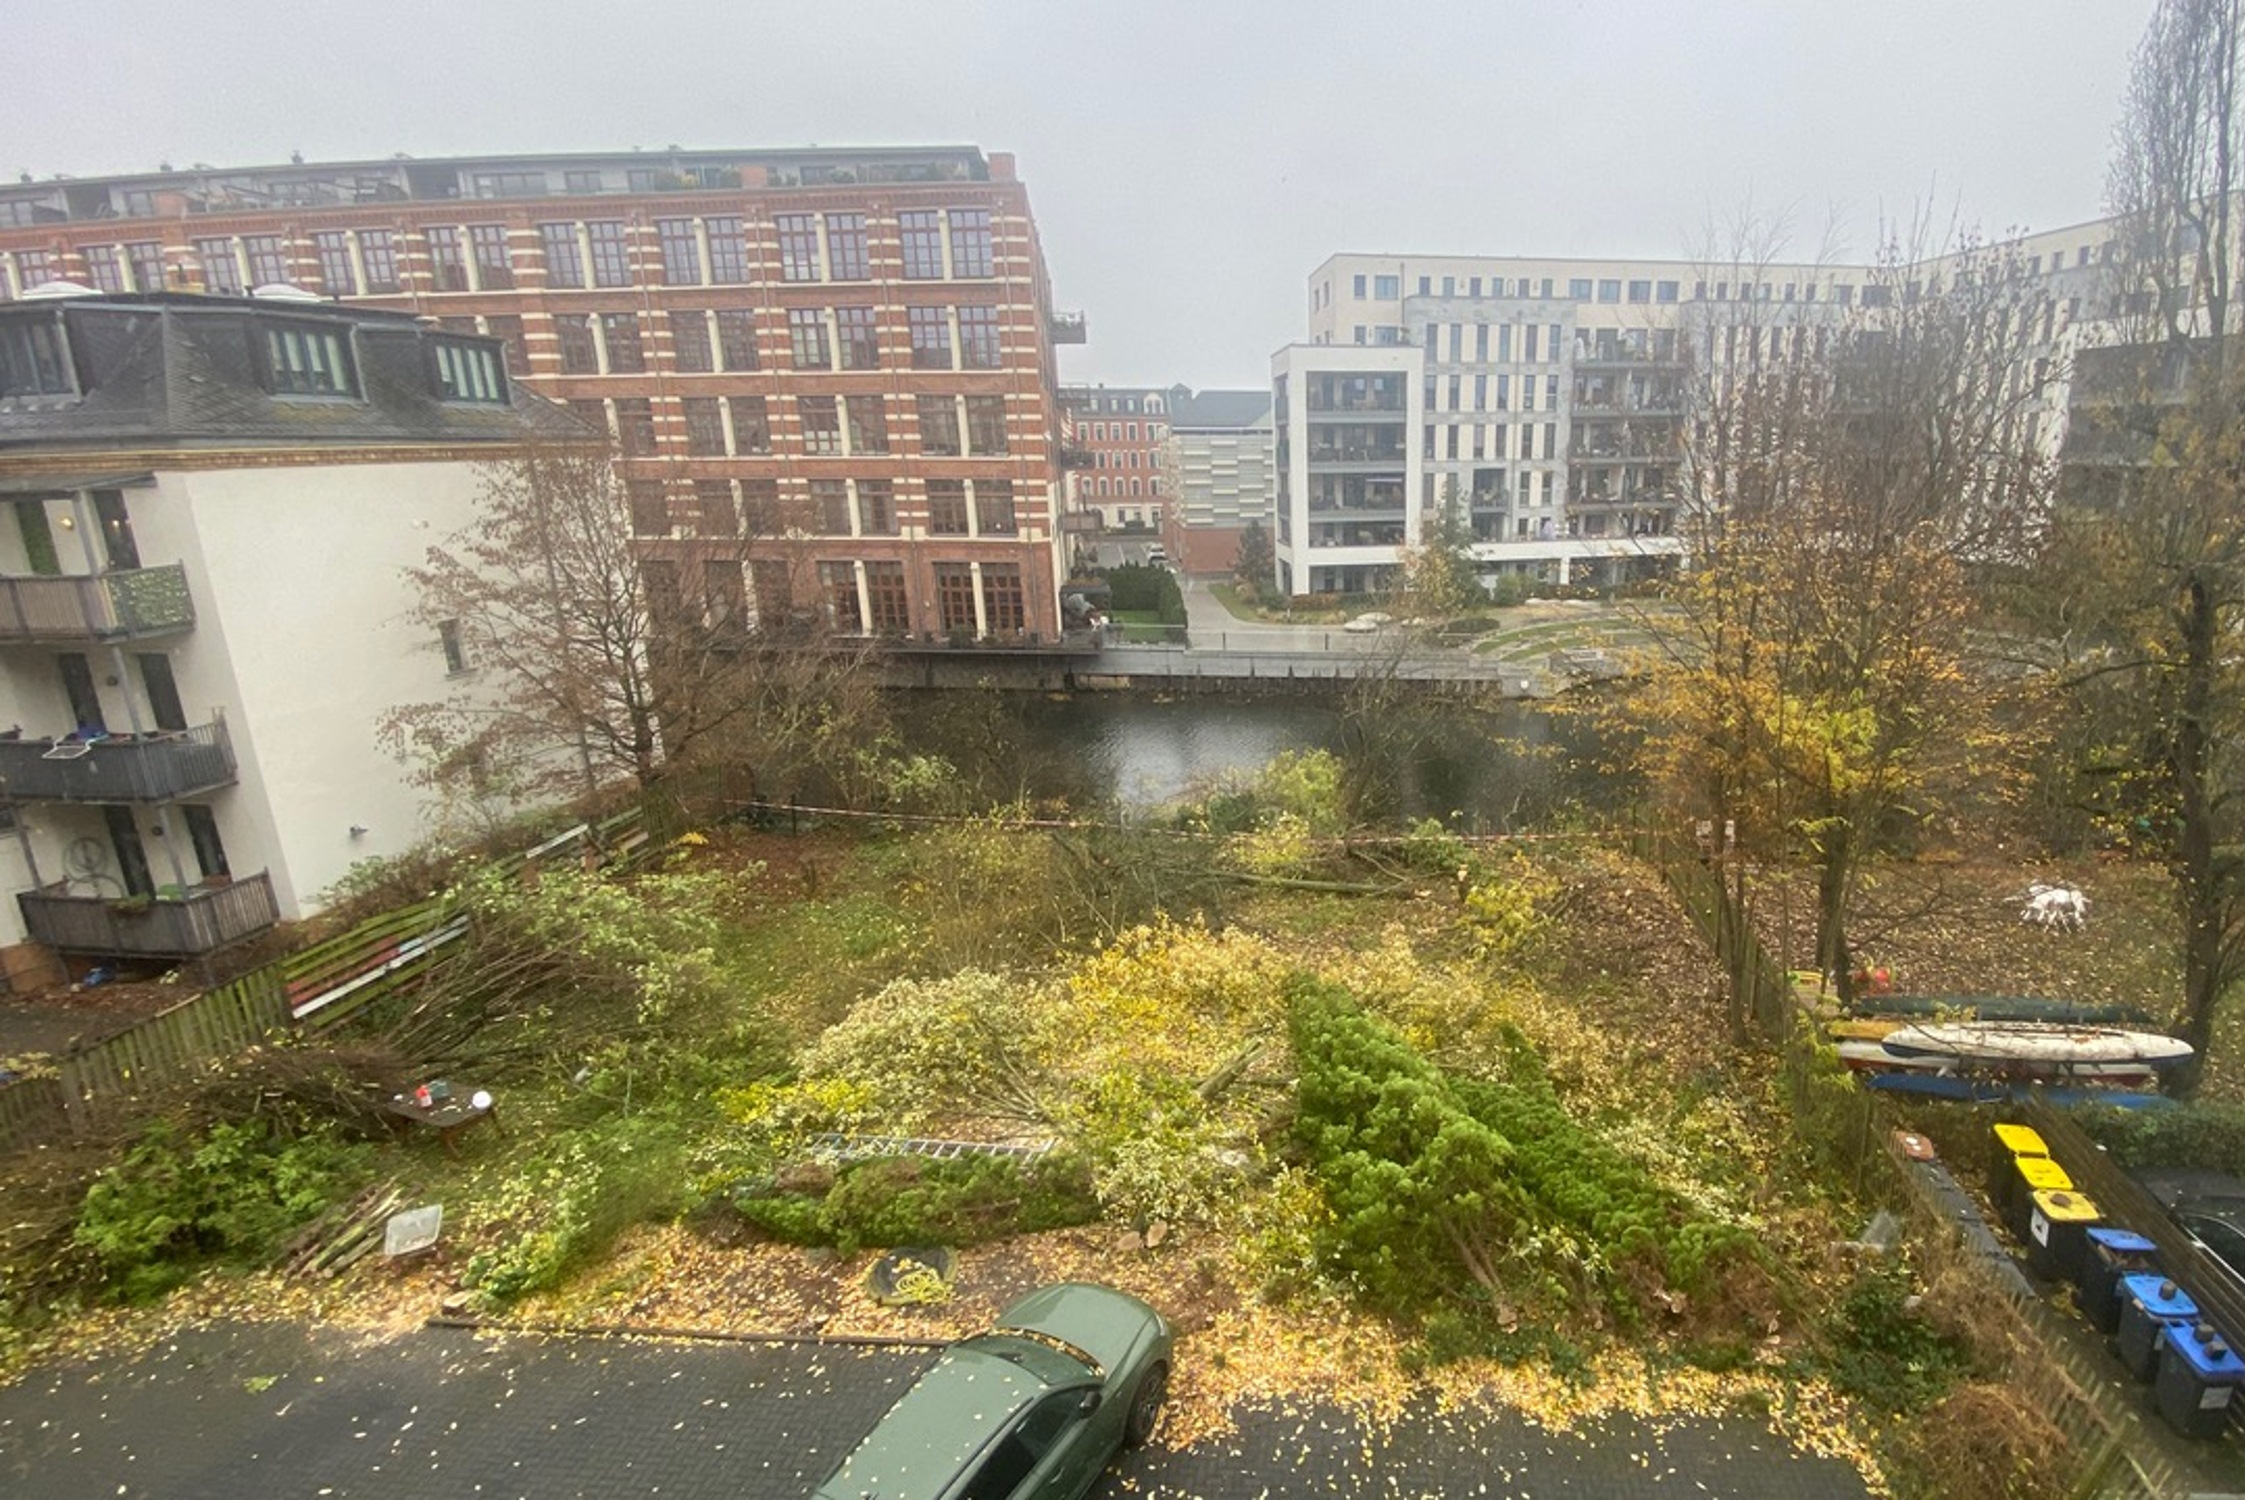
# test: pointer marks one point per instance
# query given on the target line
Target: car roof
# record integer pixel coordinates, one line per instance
(949, 1415)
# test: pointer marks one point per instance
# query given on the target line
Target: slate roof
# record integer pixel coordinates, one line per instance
(1219, 409)
(175, 370)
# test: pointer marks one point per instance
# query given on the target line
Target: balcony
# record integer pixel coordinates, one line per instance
(159, 767)
(1077, 458)
(174, 923)
(1069, 328)
(127, 605)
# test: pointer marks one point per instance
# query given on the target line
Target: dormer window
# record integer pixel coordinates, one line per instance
(34, 358)
(469, 372)
(309, 360)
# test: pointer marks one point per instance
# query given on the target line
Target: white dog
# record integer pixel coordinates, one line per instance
(2055, 906)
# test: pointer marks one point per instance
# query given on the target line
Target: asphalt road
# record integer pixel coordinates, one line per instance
(276, 1411)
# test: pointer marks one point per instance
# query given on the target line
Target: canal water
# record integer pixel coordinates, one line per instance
(1482, 769)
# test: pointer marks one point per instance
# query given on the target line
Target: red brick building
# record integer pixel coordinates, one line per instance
(847, 353)
(1114, 437)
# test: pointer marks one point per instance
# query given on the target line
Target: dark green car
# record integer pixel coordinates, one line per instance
(1031, 1410)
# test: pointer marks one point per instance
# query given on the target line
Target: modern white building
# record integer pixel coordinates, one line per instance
(204, 608)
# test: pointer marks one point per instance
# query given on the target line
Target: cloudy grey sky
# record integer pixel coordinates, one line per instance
(1189, 160)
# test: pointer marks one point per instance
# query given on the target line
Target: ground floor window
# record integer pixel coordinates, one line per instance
(954, 597)
(838, 581)
(1002, 598)
(884, 591)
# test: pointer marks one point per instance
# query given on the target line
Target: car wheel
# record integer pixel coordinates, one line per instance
(1145, 1407)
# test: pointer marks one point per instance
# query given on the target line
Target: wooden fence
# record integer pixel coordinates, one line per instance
(308, 990)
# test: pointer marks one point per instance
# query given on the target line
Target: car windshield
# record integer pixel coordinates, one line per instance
(1033, 1353)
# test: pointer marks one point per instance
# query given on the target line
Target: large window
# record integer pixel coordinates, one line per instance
(986, 425)
(752, 425)
(830, 502)
(931, 337)
(507, 329)
(705, 427)
(876, 507)
(806, 338)
(869, 424)
(379, 252)
(222, 273)
(579, 355)
(947, 507)
(469, 372)
(923, 244)
(34, 361)
(308, 360)
(885, 596)
(939, 426)
(822, 424)
(611, 253)
(728, 251)
(146, 257)
(993, 507)
(859, 345)
(846, 256)
(448, 266)
(107, 271)
(620, 332)
(736, 338)
(978, 338)
(650, 507)
(970, 242)
(798, 235)
(682, 252)
(689, 342)
(838, 583)
(494, 260)
(954, 598)
(268, 259)
(635, 427)
(337, 274)
(1002, 598)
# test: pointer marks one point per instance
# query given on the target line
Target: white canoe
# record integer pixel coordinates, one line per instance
(2036, 1043)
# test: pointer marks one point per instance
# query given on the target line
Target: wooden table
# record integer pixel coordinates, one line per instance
(447, 1117)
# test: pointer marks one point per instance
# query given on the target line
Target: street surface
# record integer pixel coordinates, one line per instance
(277, 1411)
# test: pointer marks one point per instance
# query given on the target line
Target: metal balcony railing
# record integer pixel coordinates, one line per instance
(119, 767)
(125, 605)
(174, 923)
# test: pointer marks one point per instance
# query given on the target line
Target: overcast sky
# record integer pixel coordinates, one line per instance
(1189, 161)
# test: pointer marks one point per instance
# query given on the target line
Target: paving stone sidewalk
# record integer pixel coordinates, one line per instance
(234, 1412)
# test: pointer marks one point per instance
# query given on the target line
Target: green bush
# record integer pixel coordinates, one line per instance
(1134, 588)
(580, 1192)
(1883, 1353)
(176, 1203)
(2207, 1136)
(918, 1200)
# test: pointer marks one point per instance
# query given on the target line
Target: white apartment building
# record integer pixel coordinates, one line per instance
(211, 504)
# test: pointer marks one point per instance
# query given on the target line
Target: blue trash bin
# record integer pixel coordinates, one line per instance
(2109, 1255)
(2198, 1378)
(2149, 1305)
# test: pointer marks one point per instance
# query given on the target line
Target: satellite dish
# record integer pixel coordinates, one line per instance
(86, 858)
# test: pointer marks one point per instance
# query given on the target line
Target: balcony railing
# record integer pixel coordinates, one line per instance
(1069, 328)
(173, 923)
(96, 607)
(118, 768)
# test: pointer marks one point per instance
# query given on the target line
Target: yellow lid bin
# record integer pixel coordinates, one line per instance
(2019, 1140)
(2018, 1181)
(2058, 1232)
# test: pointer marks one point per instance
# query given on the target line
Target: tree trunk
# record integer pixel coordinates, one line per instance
(2200, 884)
(1834, 853)
(1738, 957)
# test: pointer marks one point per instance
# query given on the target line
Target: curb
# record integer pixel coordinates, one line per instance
(703, 1335)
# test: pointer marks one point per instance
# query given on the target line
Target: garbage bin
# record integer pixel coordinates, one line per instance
(2027, 1176)
(2058, 1232)
(2148, 1306)
(2020, 1140)
(2109, 1255)
(2198, 1378)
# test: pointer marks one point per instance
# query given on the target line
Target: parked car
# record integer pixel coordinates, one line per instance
(1036, 1407)
(1157, 556)
(1366, 624)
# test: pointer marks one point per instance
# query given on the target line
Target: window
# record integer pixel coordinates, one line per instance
(1664, 291)
(635, 427)
(837, 583)
(222, 274)
(469, 372)
(923, 244)
(978, 338)
(822, 424)
(728, 251)
(869, 424)
(268, 260)
(448, 269)
(931, 337)
(798, 246)
(579, 355)
(939, 427)
(993, 507)
(761, 513)
(1609, 291)
(947, 507)
(885, 597)
(705, 426)
(806, 334)
(715, 514)
(580, 182)
(666, 603)
(34, 360)
(986, 424)
(689, 342)
(494, 263)
(507, 329)
(1640, 291)
(611, 253)
(1426, 285)
(337, 274)
(736, 338)
(146, 260)
(954, 597)
(1578, 290)
(830, 503)
(860, 347)
(752, 425)
(876, 508)
(970, 243)
(308, 361)
(725, 599)
(620, 332)
(510, 184)
(682, 253)
(454, 648)
(379, 254)
(846, 256)
(650, 508)
(107, 271)
(1357, 289)
(1387, 286)
(1449, 286)
(1002, 600)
